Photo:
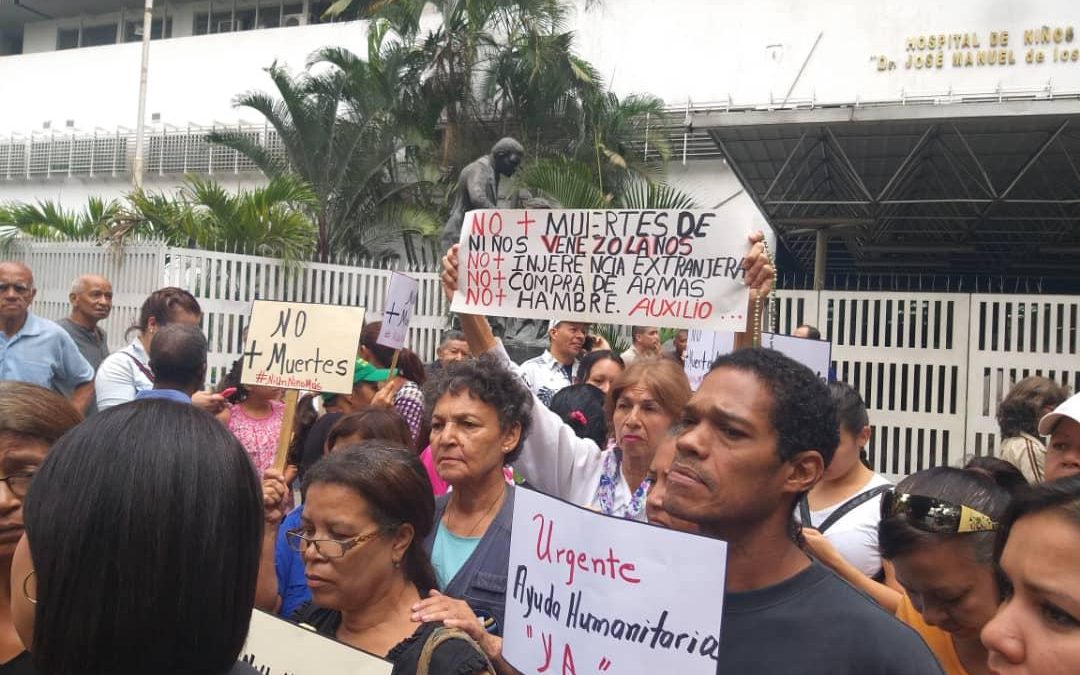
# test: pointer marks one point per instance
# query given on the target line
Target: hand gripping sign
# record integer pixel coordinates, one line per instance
(676, 268)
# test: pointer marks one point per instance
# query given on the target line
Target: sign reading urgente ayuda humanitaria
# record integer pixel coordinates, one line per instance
(1057, 44)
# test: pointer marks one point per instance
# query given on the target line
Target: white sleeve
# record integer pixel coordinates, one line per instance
(115, 383)
(527, 372)
(553, 458)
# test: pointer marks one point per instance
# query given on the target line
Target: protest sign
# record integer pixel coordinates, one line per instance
(814, 354)
(588, 593)
(672, 268)
(297, 345)
(277, 647)
(702, 348)
(401, 297)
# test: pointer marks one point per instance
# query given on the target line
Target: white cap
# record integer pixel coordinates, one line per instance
(555, 322)
(1070, 408)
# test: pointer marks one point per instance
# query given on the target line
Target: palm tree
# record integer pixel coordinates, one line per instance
(48, 220)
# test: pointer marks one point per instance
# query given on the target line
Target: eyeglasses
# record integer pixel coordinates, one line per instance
(327, 548)
(21, 289)
(18, 483)
(933, 515)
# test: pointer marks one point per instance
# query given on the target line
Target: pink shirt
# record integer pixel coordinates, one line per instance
(259, 437)
(438, 485)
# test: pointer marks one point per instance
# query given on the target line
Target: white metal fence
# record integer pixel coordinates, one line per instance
(225, 285)
(932, 367)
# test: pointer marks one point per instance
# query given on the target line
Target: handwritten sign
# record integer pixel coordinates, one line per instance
(702, 348)
(401, 297)
(295, 345)
(673, 268)
(277, 647)
(814, 354)
(587, 593)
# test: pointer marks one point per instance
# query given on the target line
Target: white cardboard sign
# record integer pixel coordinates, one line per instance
(295, 345)
(278, 647)
(814, 354)
(675, 268)
(589, 593)
(401, 297)
(702, 348)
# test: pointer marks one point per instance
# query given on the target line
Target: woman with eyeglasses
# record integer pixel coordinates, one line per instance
(1036, 630)
(366, 513)
(31, 420)
(141, 548)
(937, 529)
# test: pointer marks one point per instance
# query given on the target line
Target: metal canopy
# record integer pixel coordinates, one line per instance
(963, 189)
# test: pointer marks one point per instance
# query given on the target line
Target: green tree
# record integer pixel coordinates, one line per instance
(46, 219)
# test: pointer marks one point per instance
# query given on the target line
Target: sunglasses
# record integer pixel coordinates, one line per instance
(933, 515)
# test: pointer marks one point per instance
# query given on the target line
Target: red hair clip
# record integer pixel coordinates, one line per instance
(579, 417)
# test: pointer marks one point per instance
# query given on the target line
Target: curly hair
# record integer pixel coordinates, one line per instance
(1020, 410)
(488, 381)
(803, 411)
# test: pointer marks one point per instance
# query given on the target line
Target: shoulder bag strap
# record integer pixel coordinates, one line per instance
(1033, 461)
(441, 635)
(804, 511)
(848, 506)
(145, 371)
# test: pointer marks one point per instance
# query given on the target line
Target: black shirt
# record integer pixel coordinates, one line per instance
(453, 657)
(816, 624)
(20, 665)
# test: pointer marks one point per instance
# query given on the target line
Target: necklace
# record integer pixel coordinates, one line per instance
(481, 519)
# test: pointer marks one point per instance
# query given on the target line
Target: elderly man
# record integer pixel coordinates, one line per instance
(646, 343)
(452, 348)
(178, 361)
(91, 303)
(556, 368)
(36, 350)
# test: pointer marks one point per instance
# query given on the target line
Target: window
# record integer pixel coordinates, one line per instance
(317, 10)
(269, 14)
(133, 30)
(67, 38)
(93, 36)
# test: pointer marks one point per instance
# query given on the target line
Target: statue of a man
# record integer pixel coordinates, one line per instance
(478, 185)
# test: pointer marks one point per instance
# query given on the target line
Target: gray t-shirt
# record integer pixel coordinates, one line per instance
(816, 624)
(93, 344)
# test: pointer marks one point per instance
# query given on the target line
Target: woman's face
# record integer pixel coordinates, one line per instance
(1036, 631)
(258, 393)
(603, 374)
(847, 453)
(654, 505)
(466, 440)
(1063, 453)
(948, 587)
(640, 421)
(338, 512)
(20, 458)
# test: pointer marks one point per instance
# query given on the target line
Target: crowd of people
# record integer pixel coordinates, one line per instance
(143, 516)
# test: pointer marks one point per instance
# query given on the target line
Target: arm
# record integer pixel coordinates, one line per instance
(827, 555)
(81, 397)
(115, 381)
(267, 596)
(454, 613)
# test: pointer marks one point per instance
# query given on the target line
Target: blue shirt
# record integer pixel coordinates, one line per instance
(292, 583)
(42, 353)
(164, 394)
(449, 553)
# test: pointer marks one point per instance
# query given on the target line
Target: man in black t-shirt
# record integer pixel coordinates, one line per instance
(758, 433)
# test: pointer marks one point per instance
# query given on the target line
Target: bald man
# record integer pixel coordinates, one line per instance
(91, 303)
(36, 350)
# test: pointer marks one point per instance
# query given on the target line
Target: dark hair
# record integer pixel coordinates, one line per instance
(409, 364)
(178, 355)
(145, 527)
(30, 412)
(972, 488)
(1019, 412)
(635, 331)
(372, 424)
(1005, 474)
(850, 409)
(486, 380)
(314, 442)
(396, 487)
(812, 332)
(664, 378)
(232, 380)
(306, 417)
(803, 412)
(593, 358)
(1062, 495)
(163, 305)
(581, 407)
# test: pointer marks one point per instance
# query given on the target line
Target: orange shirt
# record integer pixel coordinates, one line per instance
(936, 639)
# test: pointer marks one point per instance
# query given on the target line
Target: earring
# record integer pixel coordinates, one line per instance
(397, 564)
(26, 581)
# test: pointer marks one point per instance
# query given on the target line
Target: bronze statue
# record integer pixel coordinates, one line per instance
(478, 185)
